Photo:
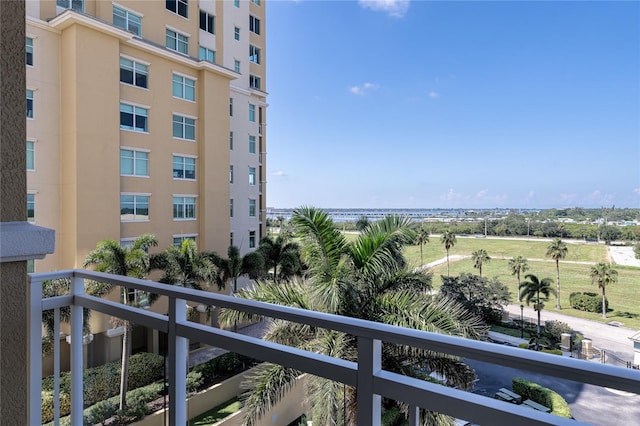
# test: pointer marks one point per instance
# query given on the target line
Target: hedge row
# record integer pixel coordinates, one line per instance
(589, 302)
(542, 395)
(103, 381)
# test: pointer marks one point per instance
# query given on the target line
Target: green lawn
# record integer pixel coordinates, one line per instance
(216, 414)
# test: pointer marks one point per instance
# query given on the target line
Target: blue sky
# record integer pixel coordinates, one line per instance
(423, 104)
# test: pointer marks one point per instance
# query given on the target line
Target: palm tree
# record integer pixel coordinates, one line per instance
(603, 274)
(518, 265)
(480, 257)
(362, 223)
(422, 237)
(235, 266)
(131, 261)
(448, 238)
(557, 250)
(280, 253)
(368, 279)
(185, 266)
(532, 288)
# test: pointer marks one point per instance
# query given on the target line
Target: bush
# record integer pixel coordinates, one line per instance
(194, 381)
(224, 365)
(554, 330)
(523, 345)
(47, 405)
(542, 395)
(100, 412)
(552, 351)
(589, 302)
(103, 381)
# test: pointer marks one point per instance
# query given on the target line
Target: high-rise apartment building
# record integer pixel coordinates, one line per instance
(146, 116)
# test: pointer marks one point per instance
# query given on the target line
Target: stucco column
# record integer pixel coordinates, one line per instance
(18, 239)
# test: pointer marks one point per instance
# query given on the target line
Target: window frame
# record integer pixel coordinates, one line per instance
(209, 22)
(183, 125)
(30, 104)
(231, 140)
(252, 113)
(254, 54)
(205, 57)
(31, 155)
(252, 144)
(230, 207)
(236, 66)
(69, 4)
(252, 207)
(181, 201)
(236, 33)
(177, 9)
(184, 165)
(135, 216)
(255, 82)
(254, 24)
(135, 161)
(230, 173)
(252, 176)
(177, 41)
(28, 43)
(252, 239)
(139, 71)
(182, 237)
(31, 207)
(128, 21)
(183, 83)
(134, 116)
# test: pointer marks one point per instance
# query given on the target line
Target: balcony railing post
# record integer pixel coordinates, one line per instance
(77, 359)
(177, 364)
(369, 363)
(414, 415)
(35, 351)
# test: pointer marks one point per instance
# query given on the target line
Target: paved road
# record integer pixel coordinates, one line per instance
(604, 336)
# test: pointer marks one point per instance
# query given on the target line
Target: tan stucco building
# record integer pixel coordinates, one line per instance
(145, 116)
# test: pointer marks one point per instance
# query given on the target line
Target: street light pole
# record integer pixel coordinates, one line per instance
(522, 321)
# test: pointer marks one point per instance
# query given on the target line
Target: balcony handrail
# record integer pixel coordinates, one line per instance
(379, 382)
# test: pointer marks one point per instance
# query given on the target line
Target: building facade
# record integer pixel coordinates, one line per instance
(145, 117)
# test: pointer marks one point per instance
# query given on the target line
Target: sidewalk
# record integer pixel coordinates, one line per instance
(604, 336)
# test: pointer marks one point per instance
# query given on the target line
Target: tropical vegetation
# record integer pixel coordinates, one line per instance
(603, 275)
(557, 250)
(448, 238)
(365, 278)
(518, 265)
(279, 253)
(531, 290)
(184, 266)
(480, 257)
(422, 237)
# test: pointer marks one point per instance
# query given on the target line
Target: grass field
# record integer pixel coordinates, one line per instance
(216, 414)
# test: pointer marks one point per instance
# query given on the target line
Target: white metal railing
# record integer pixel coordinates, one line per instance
(366, 374)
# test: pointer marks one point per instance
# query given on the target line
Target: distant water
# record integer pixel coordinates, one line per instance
(351, 215)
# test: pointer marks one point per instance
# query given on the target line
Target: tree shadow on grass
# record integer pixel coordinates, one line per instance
(624, 314)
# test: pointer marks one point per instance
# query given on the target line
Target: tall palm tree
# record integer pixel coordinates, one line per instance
(448, 238)
(185, 266)
(532, 288)
(368, 278)
(131, 261)
(280, 253)
(235, 266)
(480, 257)
(518, 265)
(557, 250)
(422, 237)
(603, 275)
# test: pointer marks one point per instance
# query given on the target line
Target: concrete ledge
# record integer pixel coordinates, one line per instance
(21, 241)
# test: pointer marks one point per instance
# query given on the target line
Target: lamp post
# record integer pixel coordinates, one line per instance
(522, 321)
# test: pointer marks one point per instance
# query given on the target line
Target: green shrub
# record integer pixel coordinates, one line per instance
(194, 381)
(553, 330)
(541, 395)
(523, 345)
(100, 412)
(224, 365)
(552, 351)
(589, 302)
(47, 404)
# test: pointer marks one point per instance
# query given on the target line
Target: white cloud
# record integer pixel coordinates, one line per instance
(451, 195)
(364, 89)
(278, 173)
(395, 8)
(482, 194)
(434, 95)
(636, 191)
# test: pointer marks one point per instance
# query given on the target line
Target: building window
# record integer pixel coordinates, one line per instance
(252, 239)
(134, 163)
(236, 66)
(252, 144)
(184, 88)
(71, 4)
(134, 207)
(231, 107)
(254, 54)
(236, 33)
(31, 207)
(134, 73)
(31, 153)
(207, 55)
(231, 141)
(184, 207)
(134, 297)
(256, 2)
(29, 103)
(254, 81)
(178, 239)
(207, 22)
(231, 207)
(184, 167)
(230, 238)
(252, 207)
(181, 7)
(31, 266)
(127, 21)
(178, 42)
(236, 3)
(133, 118)
(254, 24)
(252, 113)
(252, 175)
(231, 173)
(29, 50)
(184, 127)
